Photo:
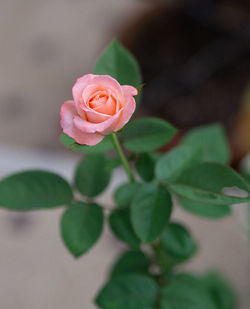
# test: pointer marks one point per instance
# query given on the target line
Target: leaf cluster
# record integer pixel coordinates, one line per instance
(195, 173)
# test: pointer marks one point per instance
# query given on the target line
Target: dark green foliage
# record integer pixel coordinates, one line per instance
(121, 226)
(81, 226)
(150, 211)
(35, 189)
(147, 134)
(131, 262)
(132, 291)
(92, 175)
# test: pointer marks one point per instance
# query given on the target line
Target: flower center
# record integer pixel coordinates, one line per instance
(98, 100)
(103, 102)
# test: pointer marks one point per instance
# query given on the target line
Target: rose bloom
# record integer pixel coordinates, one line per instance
(100, 106)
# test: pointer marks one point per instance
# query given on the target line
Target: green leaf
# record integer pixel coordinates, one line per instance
(147, 134)
(150, 211)
(92, 175)
(245, 174)
(130, 291)
(205, 210)
(173, 163)
(113, 163)
(105, 145)
(220, 291)
(81, 226)
(204, 182)
(214, 285)
(125, 193)
(176, 246)
(212, 140)
(130, 262)
(177, 242)
(35, 189)
(186, 293)
(66, 140)
(144, 165)
(119, 63)
(121, 226)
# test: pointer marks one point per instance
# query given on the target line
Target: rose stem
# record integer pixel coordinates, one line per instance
(122, 157)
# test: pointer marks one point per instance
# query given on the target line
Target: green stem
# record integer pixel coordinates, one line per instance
(122, 157)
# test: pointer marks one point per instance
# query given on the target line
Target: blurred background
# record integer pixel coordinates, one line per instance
(195, 60)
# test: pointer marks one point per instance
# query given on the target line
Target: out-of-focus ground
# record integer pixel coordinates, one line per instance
(45, 46)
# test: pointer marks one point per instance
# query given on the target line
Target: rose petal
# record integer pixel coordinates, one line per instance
(80, 84)
(129, 106)
(105, 127)
(89, 83)
(68, 112)
(96, 117)
(98, 101)
(109, 107)
(129, 91)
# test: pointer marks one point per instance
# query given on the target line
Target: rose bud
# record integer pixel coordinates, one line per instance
(100, 106)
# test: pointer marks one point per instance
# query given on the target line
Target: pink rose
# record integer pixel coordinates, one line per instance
(100, 106)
